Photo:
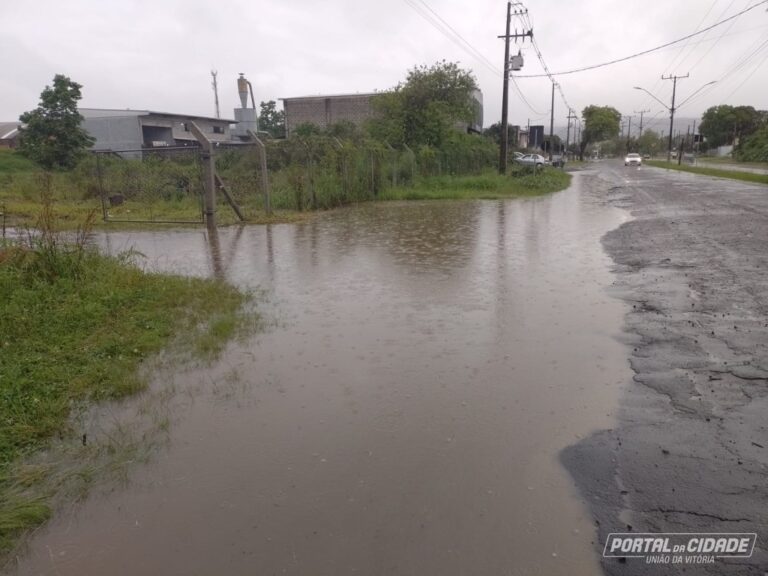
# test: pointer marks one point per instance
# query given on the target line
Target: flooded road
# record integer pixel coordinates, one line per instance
(423, 366)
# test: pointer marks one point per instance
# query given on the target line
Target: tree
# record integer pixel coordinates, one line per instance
(424, 109)
(754, 148)
(650, 143)
(271, 119)
(724, 124)
(600, 123)
(52, 135)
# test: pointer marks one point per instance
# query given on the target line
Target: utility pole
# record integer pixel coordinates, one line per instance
(571, 116)
(552, 121)
(683, 144)
(216, 92)
(672, 111)
(629, 132)
(641, 112)
(505, 95)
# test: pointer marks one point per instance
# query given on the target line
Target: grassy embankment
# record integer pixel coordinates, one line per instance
(706, 171)
(75, 328)
(487, 186)
(727, 160)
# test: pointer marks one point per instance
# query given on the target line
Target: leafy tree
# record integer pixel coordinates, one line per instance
(271, 119)
(754, 148)
(600, 123)
(650, 143)
(424, 109)
(306, 129)
(52, 135)
(724, 124)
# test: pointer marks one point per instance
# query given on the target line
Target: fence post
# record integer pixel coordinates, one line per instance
(99, 176)
(209, 174)
(264, 174)
(413, 162)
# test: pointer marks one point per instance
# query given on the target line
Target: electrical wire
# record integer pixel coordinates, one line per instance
(650, 50)
(441, 25)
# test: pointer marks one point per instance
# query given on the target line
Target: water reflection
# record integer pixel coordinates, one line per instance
(406, 414)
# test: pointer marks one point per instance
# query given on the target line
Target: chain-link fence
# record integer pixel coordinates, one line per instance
(312, 173)
(155, 185)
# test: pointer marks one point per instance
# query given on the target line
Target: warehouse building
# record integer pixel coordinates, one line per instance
(325, 111)
(137, 130)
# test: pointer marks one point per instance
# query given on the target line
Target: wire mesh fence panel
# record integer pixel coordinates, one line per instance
(155, 185)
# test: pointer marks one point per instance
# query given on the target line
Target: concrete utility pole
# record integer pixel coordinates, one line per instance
(505, 95)
(672, 111)
(641, 112)
(629, 132)
(552, 121)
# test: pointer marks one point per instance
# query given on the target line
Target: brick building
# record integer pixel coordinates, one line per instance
(324, 111)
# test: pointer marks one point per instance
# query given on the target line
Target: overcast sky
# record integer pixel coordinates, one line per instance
(158, 54)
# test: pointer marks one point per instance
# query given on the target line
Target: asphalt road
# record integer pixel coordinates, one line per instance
(690, 449)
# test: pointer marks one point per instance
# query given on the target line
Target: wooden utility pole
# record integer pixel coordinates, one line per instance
(505, 94)
(571, 116)
(672, 111)
(641, 112)
(552, 121)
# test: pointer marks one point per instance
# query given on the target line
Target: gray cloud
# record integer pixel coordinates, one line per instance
(158, 54)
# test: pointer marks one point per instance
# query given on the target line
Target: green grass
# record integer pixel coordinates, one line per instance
(731, 174)
(75, 328)
(12, 162)
(489, 185)
(730, 161)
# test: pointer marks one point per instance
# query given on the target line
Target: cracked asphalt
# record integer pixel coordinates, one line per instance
(690, 450)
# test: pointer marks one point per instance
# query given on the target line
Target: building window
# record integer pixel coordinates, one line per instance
(218, 130)
(185, 126)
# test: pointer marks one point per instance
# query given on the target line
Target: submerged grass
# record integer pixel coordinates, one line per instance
(489, 185)
(75, 328)
(718, 173)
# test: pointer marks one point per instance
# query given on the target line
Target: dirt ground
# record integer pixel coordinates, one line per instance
(690, 450)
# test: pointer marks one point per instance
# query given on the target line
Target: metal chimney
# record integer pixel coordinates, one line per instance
(242, 90)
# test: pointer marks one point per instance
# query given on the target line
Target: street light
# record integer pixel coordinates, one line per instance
(672, 110)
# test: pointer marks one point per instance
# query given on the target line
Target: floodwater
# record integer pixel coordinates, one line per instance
(402, 414)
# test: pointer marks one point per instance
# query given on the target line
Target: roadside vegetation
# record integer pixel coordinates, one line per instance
(490, 185)
(707, 171)
(412, 143)
(75, 328)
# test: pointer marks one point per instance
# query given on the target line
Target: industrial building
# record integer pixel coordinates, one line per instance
(137, 130)
(9, 134)
(325, 111)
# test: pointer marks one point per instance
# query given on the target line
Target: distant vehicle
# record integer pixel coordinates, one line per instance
(633, 159)
(558, 160)
(646, 156)
(535, 160)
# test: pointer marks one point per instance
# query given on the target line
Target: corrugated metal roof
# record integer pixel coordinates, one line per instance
(116, 113)
(8, 129)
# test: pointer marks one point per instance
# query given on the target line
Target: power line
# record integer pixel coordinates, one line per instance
(442, 26)
(650, 50)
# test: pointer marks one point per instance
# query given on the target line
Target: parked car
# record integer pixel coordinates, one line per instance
(633, 159)
(517, 156)
(536, 160)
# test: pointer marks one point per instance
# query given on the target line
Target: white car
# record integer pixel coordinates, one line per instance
(536, 160)
(633, 159)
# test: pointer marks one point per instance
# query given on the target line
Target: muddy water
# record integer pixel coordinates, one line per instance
(402, 415)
